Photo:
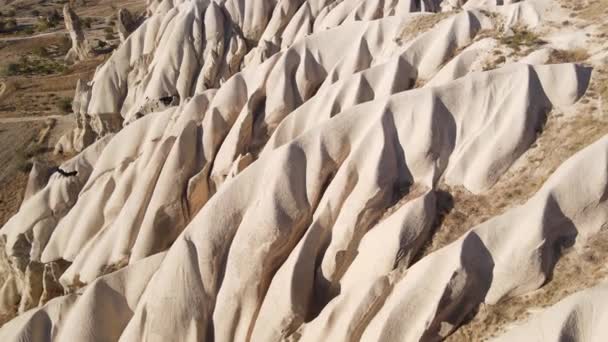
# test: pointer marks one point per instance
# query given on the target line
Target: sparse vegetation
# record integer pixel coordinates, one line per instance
(575, 271)
(87, 22)
(568, 56)
(600, 87)
(42, 25)
(51, 20)
(8, 25)
(603, 89)
(495, 62)
(27, 95)
(64, 46)
(521, 38)
(11, 24)
(33, 150)
(41, 51)
(111, 20)
(420, 24)
(65, 105)
(12, 69)
(34, 65)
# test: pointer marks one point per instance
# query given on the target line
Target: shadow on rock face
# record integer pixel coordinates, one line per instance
(466, 289)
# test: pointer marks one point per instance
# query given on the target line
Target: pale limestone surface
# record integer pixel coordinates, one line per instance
(80, 46)
(579, 317)
(277, 178)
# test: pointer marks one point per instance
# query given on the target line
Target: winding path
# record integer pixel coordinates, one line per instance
(11, 39)
(30, 118)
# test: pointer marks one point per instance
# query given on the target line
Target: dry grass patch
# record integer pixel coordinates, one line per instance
(34, 65)
(562, 138)
(575, 271)
(521, 38)
(421, 23)
(591, 10)
(568, 56)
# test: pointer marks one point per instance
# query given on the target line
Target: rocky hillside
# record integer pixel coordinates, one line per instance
(326, 170)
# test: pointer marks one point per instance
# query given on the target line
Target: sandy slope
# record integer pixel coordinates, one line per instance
(294, 169)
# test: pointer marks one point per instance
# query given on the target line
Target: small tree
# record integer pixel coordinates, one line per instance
(41, 51)
(11, 24)
(87, 22)
(53, 18)
(42, 24)
(12, 69)
(65, 104)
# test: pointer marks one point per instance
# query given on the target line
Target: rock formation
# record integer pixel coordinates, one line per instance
(88, 128)
(80, 49)
(126, 23)
(82, 135)
(283, 170)
(39, 176)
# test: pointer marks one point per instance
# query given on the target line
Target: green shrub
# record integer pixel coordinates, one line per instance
(41, 51)
(12, 69)
(64, 45)
(34, 65)
(22, 163)
(50, 20)
(33, 150)
(42, 25)
(10, 24)
(65, 104)
(87, 22)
